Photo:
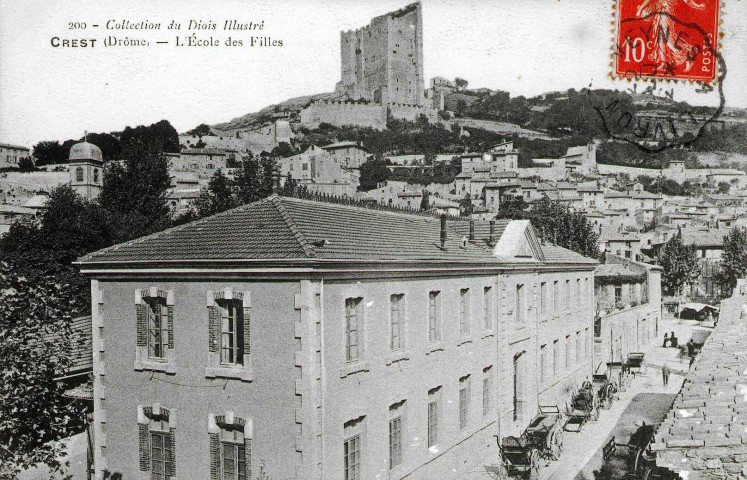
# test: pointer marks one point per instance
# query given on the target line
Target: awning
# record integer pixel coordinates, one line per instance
(84, 391)
(698, 307)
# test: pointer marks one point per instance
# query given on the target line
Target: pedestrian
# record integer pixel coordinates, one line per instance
(665, 374)
(673, 341)
(690, 348)
(666, 340)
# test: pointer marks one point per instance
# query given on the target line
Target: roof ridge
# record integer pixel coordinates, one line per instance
(410, 215)
(308, 249)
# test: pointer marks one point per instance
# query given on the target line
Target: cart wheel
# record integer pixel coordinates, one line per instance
(648, 474)
(534, 465)
(497, 472)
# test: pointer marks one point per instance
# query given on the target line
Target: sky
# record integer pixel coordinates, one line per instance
(526, 47)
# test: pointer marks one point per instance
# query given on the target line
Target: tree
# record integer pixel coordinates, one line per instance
(461, 83)
(373, 172)
(248, 183)
(724, 187)
(200, 130)
(35, 326)
(680, 265)
(48, 152)
(26, 164)
(425, 201)
(555, 222)
(283, 150)
(733, 260)
(219, 196)
(291, 187)
(465, 206)
(134, 194)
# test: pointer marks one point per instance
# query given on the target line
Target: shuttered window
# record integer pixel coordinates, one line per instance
(157, 439)
(158, 327)
(230, 448)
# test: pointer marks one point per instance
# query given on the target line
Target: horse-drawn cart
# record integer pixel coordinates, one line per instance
(605, 389)
(543, 438)
(634, 362)
(641, 463)
(584, 406)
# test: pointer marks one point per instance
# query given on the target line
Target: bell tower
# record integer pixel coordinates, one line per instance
(86, 168)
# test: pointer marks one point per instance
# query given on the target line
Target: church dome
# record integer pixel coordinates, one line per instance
(85, 151)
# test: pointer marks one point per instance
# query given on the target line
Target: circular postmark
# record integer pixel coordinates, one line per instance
(657, 47)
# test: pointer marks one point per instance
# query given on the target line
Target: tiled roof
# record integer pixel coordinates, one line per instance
(704, 238)
(81, 348)
(704, 434)
(343, 145)
(280, 228)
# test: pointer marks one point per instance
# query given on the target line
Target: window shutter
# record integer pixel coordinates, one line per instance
(171, 452)
(247, 332)
(170, 324)
(248, 456)
(144, 439)
(214, 456)
(142, 324)
(213, 326)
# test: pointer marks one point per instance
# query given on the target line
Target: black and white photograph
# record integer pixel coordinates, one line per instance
(355, 240)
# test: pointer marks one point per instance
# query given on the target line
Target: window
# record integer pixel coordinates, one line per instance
(156, 442)
(396, 421)
(434, 317)
(597, 327)
(578, 347)
(352, 327)
(586, 343)
(568, 351)
(555, 296)
(567, 294)
(487, 390)
(464, 384)
(543, 298)
(543, 363)
(352, 449)
(519, 303)
(433, 412)
(487, 308)
(158, 331)
(578, 292)
(396, 307)
(618, 293)
(79, 174)
(304, 166)
(555, 357)
(231, 332)
(352, 458)
(95, 175)
(587, 291)
(464, 311)
(233, 454)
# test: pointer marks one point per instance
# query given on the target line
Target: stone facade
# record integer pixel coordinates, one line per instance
(10, 155)
(383, 62)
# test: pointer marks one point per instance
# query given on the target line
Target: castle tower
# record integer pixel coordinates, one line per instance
(383, 62)
(86, 168)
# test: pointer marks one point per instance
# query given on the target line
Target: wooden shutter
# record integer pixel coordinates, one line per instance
(171, 452)
(213, 327)
(144, 440)
(248, 455)
(247, 324)
(142, 323)
(170, 325)
(214, 445)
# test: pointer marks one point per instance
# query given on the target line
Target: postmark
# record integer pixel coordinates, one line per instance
(667, 39)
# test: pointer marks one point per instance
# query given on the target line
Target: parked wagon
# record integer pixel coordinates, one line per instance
(634, 362)
(606, 389)
(545, 432)
(584, 406)
(518, 458)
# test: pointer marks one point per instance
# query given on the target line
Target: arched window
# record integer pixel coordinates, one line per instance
(79, 174)
(95, 175)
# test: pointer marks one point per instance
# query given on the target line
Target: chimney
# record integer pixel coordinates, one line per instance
(492, 233)
(443, 231)
(276, 179)
(471, 229)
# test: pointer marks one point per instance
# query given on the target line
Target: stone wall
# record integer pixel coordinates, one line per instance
(341, 114)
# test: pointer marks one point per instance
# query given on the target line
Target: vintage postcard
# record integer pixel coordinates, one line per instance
(352, 240)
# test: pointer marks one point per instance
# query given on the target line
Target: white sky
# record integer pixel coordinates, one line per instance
(523, 46)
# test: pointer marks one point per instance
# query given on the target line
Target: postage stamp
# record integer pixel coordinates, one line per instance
(667, 39)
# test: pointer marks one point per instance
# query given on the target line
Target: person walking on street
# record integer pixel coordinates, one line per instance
(666, 340)
(665, 374)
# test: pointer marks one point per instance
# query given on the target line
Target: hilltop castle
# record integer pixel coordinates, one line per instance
(381, 72)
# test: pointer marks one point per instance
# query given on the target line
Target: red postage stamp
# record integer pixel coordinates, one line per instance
(667, 39)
